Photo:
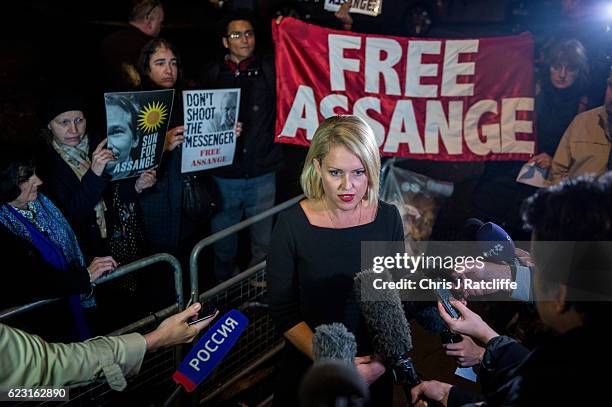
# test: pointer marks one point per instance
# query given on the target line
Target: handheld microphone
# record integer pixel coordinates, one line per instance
(492, 240)
(334, 341)
(208, 353)
(332, 382)
(333, 379)
(388, 327)
(495, 243)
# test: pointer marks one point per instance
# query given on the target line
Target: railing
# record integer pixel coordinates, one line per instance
(154, 379)
(257, 344)
(195, 252)
(245, 292)
(120, 272)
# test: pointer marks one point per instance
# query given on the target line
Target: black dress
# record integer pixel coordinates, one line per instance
(310, 273)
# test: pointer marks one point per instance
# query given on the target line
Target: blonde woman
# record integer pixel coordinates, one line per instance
(316, 246)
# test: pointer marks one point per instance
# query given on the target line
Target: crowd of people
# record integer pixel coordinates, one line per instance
(64, 223)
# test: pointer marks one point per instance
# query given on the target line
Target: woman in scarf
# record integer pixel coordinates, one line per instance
(162, 205)
(560, 96)
(44, 257)
(174, 219)
(77, 184)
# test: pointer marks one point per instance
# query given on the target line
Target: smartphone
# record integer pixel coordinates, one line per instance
(203, 318)
(444, 295)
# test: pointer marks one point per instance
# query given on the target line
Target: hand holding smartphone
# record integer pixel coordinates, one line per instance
(444, 295)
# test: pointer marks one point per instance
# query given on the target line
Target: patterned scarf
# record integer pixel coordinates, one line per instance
(78, 160)
(48, 219)
(44, 226)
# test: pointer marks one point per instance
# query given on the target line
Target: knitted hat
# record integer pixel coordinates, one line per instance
(60, 102)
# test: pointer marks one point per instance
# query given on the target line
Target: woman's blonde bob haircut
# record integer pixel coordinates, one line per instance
(356, 136)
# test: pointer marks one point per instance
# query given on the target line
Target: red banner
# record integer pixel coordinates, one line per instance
(437, 99)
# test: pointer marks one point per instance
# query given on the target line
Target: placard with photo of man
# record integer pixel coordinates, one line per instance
(136, 125)
(210, 128)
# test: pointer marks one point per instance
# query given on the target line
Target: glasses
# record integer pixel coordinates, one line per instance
(77, 121)
(237, 34)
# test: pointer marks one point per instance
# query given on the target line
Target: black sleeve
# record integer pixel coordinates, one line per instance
(48, 282)
(31, 278)
(398, 227)
(502, 355)
(80, 202)
(281, 274)
(461, 397)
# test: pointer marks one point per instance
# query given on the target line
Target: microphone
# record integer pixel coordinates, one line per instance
(388, 327)
(495, 243)
(334, 341)
(333, 383)
(208, 353)
(333, 379)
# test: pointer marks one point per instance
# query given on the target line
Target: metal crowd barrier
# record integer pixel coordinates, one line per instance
(120, 272)
(154, 381)
(244, 292)
(195, 252)
(256, 345)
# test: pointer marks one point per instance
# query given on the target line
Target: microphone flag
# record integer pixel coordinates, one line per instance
(210, 350)
(495, 243)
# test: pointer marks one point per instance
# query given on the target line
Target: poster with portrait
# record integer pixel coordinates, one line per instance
(210, 128)
(136, 125)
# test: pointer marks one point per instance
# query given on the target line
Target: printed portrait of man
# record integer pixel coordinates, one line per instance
(225, 118)
(121, 132)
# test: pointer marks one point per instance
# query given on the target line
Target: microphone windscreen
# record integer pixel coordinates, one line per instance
(384, 316)
(495, 243)
(334, 341)
(332, 383)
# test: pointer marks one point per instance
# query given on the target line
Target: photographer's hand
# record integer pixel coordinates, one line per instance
(469, 323)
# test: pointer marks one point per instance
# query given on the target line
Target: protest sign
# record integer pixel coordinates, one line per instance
(136, 126)
(367, 7)
(210, 128)
(437, 99)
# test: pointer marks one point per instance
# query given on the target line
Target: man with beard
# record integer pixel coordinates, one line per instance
(586, 144)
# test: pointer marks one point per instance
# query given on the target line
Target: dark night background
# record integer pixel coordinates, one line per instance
(48, 44)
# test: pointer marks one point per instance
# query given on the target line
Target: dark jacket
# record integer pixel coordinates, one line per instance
(162, 203)
(560, 372)
(27, 277)
(555, 110)
(119, 49)
(256, 152)
(77, 198)
(498, 197)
